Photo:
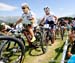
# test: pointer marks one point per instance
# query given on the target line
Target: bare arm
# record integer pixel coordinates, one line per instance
(69, 54)
(19, 21)
(55, 19)
(3, 30)
(42, 21)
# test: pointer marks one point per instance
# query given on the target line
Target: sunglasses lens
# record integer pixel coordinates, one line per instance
(23, 8)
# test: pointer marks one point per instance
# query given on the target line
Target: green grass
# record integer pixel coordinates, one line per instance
(54, 53)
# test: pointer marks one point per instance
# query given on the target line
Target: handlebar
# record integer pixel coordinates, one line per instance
(15, 31)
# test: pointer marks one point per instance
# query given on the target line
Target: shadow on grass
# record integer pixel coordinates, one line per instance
(58, 51)
(27, 48)
(30, 52)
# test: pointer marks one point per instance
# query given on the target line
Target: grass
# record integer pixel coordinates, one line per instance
(53, 55)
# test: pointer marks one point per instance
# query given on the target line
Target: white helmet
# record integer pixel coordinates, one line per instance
(2, 23)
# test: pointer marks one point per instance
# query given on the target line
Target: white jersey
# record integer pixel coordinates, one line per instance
(26, 18)
(19, 26)
(49, 18)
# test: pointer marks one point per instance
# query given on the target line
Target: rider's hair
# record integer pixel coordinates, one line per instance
(46, 7)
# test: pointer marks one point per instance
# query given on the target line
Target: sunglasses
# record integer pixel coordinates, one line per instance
(23, 7)
(46, 8)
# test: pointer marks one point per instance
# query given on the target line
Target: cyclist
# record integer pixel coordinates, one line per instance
(71, 50)
(62, 25)
(5, 27)
(62, 22)
(71, 47)
(72, 33)
(29, 18)
(68, 25)
(49, 19)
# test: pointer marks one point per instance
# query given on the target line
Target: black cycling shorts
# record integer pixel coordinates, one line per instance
(51, 22)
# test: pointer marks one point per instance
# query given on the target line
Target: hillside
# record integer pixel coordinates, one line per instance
(10, 19)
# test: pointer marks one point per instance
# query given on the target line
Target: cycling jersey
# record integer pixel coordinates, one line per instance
(19, 26)
(49, 19)
(26, 18)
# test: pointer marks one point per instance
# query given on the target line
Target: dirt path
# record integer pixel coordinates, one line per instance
(54, 53)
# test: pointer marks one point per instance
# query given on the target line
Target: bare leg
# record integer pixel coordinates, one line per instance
(31, 33)
(28, 39)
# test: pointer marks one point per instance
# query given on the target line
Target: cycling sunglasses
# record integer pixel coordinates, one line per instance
(46, 9)
(23, 7)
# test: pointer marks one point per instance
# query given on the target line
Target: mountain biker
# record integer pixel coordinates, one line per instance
(72, 33)
(49, 19)
(62, 22)
(73, 23)
(71, 48)
(71, 51)
(5, 27)
(72, 38)
(62, 25)
(68, 25)
(29, 18)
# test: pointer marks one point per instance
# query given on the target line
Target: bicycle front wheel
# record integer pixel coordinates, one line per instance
(14, 54)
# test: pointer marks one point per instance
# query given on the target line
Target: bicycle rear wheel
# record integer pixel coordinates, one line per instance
(14, 54)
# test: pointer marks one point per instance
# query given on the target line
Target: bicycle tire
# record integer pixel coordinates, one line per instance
(18, 42)
(44, 41)
(38, 41)
(22, 40)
